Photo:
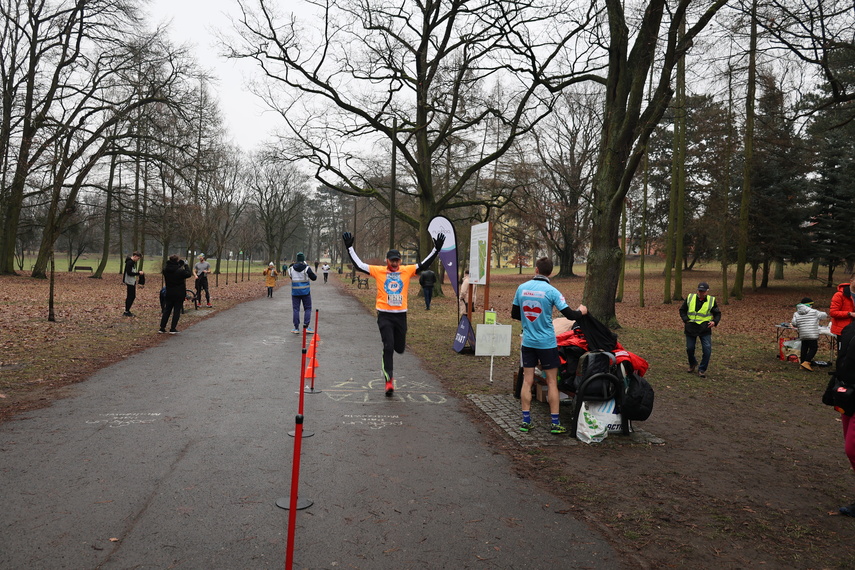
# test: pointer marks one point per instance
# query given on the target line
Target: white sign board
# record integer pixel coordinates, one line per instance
(493, 340)
(478, 249)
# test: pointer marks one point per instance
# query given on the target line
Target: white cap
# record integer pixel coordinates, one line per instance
(272, 264)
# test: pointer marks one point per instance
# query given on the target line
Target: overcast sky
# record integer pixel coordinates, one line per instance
(194, 23)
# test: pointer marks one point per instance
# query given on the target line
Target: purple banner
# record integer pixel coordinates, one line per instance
(465, 335)
(448, 254)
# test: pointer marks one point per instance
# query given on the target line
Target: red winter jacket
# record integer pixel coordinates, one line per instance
(841, 306)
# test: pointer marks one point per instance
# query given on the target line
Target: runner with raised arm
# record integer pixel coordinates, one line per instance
(393, 286)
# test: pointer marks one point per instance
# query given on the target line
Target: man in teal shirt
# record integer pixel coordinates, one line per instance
(533, 304)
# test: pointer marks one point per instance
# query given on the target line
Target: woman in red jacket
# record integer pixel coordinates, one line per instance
(842, 309)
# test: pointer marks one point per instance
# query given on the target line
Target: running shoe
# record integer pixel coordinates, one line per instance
(296, 331)
(557, 429)
(310, 330)
(525, 427)
(390, 388)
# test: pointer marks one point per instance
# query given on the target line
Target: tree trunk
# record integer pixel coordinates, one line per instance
(622, 276)
(679, 172)
(742, 253)
(108, 207)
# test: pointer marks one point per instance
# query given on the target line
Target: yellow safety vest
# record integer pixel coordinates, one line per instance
(702, 315)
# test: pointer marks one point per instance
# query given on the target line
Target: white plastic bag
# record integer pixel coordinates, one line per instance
(588, 428)
(606, 415)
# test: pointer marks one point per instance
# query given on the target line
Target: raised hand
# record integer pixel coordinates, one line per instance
(438, 241)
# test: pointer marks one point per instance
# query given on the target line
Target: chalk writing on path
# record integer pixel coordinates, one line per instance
(372, 422)
(122, 420)
(373, 392)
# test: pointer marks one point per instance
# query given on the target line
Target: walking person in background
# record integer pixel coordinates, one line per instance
(130, 277)
(427, 280)
(326, 269)
(200, 273)
(842, 308)
(700, 314)
(393, 288)
(533, 304)
(301, 293)
(175, 274)
(806, 320)
(270, 274)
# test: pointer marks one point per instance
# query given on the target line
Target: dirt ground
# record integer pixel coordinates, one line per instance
(752, 470)
(751, 473)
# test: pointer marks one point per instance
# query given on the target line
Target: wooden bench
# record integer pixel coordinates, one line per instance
(360, 281)
(83, 268)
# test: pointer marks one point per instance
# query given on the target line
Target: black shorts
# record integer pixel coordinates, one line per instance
(547, 357)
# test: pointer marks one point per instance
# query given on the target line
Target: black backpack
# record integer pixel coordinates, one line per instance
(569, 361)
(596, 377)
(637, 402)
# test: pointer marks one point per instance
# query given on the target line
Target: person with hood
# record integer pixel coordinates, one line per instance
(130, 277)
(175, 274)
(301, 293)
(806, 320)
(842, 308)
(700, 314)
(393, 287)
(271, 274)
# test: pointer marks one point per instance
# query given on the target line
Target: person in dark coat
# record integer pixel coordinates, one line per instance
(427, 280)
(175, 274)
(130, 277)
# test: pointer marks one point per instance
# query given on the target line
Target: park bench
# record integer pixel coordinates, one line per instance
(360, 281)
(83, 268)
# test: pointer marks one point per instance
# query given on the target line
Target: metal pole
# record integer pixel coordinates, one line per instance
(392, 191)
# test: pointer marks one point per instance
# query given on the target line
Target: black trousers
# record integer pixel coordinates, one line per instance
(393, 333)
(809, 348)
(172, 305)
(130, 297)
(202, 283)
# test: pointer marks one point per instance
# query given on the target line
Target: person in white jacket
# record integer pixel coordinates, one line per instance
(806, 320)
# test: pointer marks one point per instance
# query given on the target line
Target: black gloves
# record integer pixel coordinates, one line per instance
(348, 239)
(438, 241)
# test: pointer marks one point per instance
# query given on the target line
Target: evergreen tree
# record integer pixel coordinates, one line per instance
(833, 188)
(779, 210)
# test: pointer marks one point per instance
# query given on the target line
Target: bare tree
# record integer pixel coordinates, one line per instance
(566, 149)
(431, 68)
(277, 192)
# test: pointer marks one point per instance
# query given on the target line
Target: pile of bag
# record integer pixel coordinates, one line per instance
(609, 384)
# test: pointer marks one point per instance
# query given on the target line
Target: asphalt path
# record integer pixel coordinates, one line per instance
(176, 457)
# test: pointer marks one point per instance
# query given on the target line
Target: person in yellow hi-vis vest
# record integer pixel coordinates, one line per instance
(700, 313)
